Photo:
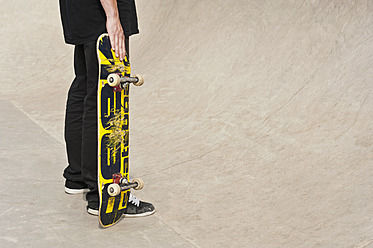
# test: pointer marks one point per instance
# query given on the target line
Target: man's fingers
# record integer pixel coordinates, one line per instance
(118, 45)
(117, 38)
(111, 41)
(122, 49)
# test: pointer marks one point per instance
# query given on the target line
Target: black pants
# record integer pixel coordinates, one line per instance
(81, 120)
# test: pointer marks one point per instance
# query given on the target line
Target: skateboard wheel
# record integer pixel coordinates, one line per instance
(113, 80)
(113, 189)
(140, 80)
(140, 183)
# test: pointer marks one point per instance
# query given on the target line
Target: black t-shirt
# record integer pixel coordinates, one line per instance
(84, 21)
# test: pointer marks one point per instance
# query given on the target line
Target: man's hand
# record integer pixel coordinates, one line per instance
(117, 38)
(114, 28)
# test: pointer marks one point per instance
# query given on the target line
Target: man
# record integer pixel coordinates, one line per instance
(83, 22)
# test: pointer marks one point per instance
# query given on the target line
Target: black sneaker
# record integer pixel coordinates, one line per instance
(137, 208)
(74, 188)
(92, 208)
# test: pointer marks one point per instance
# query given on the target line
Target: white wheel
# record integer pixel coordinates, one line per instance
(141, 80)
(140, 183)
(113, 80)
(113, 189)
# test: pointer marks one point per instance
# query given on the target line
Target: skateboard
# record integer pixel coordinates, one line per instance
(113, 133)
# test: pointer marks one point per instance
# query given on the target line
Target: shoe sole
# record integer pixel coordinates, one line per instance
(95, 213)
(92, 211)
(75, 191)
(139, 215)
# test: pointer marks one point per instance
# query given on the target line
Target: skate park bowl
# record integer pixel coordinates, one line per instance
(254, 127)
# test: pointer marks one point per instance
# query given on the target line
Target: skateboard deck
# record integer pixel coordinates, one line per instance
(113, 133)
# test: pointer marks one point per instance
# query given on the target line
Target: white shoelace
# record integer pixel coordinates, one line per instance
(134, 200)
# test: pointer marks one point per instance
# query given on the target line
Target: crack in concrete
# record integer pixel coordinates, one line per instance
(189, 160)
(189, 241)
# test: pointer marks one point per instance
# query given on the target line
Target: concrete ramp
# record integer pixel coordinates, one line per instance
(254, 127)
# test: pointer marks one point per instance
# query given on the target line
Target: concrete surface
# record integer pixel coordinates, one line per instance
(254, 128)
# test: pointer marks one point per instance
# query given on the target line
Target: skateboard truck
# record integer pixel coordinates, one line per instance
(121, 183)
(118, 81)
